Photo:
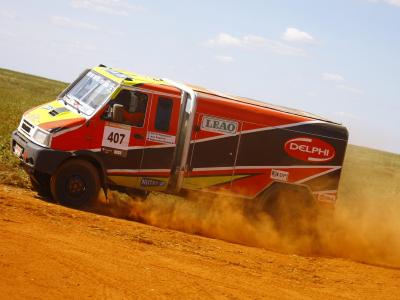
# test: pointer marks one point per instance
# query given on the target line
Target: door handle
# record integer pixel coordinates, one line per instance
(138, 136)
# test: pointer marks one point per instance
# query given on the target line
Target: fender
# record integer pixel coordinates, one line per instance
(94, 158)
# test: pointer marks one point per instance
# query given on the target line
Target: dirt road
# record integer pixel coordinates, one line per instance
(48, 251)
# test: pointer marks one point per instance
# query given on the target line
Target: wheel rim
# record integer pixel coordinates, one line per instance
(75, 186)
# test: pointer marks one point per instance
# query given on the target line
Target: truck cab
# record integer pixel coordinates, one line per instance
(107, 123)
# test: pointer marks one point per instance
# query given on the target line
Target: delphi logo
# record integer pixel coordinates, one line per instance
(219, 125)
(310, 149)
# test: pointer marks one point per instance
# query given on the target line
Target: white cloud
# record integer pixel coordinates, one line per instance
(278, 47)
(7, 14)
(332, 77)
(350, 89)
(225, 59)
(6, 34)
(224, 39)
(391, 2)
(67, 22)
(295, 35)
(253, 41)
(112, 7)
(343, 86)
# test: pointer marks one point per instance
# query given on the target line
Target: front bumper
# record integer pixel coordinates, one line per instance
(35, 157)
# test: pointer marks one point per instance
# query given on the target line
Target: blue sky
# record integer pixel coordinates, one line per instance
(339, 59)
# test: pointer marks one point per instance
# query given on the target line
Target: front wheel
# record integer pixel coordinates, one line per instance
(40, 183)
(75, 183)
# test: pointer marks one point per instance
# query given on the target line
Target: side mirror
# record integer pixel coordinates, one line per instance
(118, 113)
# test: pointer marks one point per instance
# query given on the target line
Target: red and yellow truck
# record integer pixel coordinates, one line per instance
(116, 129)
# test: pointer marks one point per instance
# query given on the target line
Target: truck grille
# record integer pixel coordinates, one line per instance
(26, 126)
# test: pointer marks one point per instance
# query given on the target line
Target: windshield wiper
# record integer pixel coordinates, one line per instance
(75, 102)
(63, 100)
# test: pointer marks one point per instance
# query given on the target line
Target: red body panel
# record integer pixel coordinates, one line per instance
(250, 146)
(252, 176)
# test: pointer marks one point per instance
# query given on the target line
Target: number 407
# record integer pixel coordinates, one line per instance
(116, 138)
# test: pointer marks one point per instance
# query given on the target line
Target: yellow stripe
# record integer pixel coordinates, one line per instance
(40, 114)
(136, 78)
(191, 183)
(127, 181)
(203, 182)
(135, 182)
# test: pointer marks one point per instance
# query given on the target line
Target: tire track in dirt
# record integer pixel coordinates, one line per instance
(49, 251)
(367, 231)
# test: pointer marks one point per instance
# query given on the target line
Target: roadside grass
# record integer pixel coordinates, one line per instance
(370, 176)
(18, 93)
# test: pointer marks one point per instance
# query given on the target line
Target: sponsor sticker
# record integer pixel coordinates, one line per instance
(116, 139)
(151, 182)
(326, 197)
(218, 125)
(117, 74)
(18, 150)
(279, 175)
(160, 137)
(310, 149)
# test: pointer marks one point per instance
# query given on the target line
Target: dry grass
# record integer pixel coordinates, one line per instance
(19, 92)
(369, 175)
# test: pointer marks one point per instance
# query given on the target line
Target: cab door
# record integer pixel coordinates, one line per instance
(123, 141)
(160, 142)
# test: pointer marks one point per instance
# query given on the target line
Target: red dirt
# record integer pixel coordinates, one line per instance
(48, 251)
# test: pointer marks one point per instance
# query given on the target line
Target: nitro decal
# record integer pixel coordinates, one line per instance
(279, 175)
(219, 125)
(147, 182)
(116, 139)
(310, 149)
(160, 137)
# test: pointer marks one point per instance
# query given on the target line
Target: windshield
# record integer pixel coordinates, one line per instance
(90, 93)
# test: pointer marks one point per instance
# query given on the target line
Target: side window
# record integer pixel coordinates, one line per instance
(135, 105)
(163, 115)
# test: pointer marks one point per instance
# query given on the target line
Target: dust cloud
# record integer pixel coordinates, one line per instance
(218, 217)
(367, 231)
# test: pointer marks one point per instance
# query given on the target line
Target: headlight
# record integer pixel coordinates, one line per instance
(41, 137)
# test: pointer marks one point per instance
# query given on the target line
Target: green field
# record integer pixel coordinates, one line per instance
(368, 175)
(19, 92)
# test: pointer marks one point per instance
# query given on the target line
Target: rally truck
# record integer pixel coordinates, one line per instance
(116, 129)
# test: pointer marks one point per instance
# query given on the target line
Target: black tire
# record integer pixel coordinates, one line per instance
(292, 208)
(40, 183)
(75, 183)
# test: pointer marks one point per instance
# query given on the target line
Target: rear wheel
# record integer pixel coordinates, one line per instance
(292, 209)
(75, 183)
